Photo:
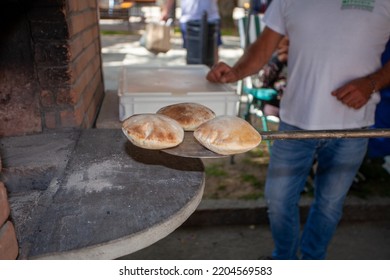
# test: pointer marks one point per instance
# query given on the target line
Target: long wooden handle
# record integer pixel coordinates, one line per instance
(317, 134)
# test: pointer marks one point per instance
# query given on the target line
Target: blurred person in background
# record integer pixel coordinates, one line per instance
(193, 10)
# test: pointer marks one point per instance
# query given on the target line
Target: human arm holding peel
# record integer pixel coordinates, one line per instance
(253, 59)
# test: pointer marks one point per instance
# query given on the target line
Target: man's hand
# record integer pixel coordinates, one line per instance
(354, 94)
(165, 9)
(282, 50)
(222, 73)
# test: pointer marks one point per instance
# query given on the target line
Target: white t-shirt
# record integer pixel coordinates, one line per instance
(193, 10)
(331, 43)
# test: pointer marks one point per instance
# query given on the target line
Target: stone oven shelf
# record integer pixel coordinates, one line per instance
(90, 194)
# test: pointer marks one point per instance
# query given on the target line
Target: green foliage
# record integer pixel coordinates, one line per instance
(253, 196)
(252, 179)
(215, 170)
(114, 32)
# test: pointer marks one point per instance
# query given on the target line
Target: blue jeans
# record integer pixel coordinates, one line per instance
(183, 29)
(291, 162)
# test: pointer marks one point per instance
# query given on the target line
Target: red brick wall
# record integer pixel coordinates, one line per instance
(8, 243)
(67, 85)
(71, 97)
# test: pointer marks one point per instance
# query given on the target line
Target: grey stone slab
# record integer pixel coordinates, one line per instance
(109, 112)
(114, 198)
(31, 167)
(31, 162)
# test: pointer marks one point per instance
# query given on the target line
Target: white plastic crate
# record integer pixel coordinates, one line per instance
(147, 89)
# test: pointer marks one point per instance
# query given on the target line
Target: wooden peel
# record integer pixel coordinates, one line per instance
(191, 148)
(324, 134)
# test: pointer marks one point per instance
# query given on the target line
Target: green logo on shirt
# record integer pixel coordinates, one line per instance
(367, 5)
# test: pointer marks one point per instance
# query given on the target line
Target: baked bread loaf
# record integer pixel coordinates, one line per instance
(188, 115)
(153, 131)
(227, 135)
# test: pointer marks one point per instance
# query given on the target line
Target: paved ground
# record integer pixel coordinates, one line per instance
(353, 241)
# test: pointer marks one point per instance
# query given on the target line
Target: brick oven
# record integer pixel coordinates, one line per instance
(50, 65)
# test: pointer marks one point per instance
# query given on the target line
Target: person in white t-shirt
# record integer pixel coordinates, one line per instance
(334, 75)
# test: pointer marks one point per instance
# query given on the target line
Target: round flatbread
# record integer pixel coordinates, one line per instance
(189, 115)
(227, 135)
(153, 131)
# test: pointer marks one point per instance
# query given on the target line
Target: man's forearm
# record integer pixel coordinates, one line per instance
(381, 78)
(166, 9)
(257, 54)
(169, 4)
